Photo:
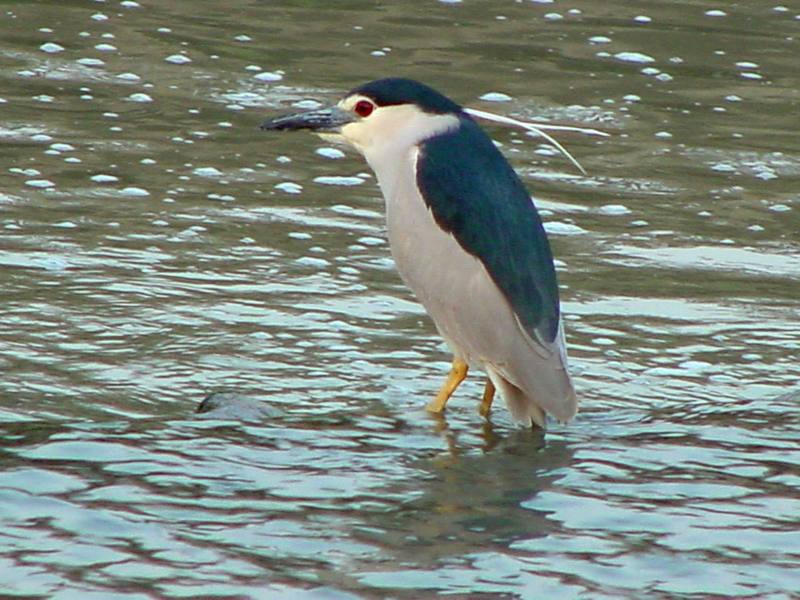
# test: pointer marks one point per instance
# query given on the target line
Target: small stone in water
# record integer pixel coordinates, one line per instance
(330, 152)
(634, 57)
(134, 191)
(178, 59)
(207, 172)
(51, 48)
(140, 97)
(338, 180)
(40, 183)
(91, 62)
(495, 97)
(614, 209)
(268, 76)
(102, 178)
(289, 187)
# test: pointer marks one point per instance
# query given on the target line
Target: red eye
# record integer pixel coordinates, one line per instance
(364, 108)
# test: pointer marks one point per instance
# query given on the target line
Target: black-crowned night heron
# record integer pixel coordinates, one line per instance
(465, 237)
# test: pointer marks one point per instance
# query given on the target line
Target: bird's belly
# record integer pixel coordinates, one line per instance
(454, 287)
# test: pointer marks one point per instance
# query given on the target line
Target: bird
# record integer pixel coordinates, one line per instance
(465, 236)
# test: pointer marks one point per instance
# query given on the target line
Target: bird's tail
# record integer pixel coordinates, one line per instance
(521, 407)
(545, 388)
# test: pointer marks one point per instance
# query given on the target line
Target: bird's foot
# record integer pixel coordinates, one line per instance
(488, 397)
(458, 372)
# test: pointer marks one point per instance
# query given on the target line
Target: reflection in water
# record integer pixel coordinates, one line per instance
(465, 501)
(155, 248)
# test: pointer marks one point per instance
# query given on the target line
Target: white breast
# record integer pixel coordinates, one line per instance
(452, 285)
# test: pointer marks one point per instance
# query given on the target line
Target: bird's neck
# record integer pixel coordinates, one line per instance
(392, 157)
(393, 168)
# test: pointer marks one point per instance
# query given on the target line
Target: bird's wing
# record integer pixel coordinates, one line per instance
(474, 194)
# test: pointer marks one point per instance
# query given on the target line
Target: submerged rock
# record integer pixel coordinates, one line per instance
(235, 406)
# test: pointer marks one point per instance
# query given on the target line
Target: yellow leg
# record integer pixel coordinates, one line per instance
(458, 373)
(488, 397)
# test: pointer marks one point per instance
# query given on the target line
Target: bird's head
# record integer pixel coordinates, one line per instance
(387, 113)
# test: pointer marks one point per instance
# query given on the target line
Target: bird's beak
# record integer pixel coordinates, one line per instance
(323, 120)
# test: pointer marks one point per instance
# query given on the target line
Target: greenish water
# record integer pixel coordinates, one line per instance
(155, 246)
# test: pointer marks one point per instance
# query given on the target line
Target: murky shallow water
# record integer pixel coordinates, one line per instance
(156, 246)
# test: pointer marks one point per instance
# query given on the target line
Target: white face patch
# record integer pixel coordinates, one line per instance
(399, 126)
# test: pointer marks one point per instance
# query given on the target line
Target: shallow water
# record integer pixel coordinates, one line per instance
(156, 247)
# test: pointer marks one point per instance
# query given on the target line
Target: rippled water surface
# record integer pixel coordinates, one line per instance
(157, 247)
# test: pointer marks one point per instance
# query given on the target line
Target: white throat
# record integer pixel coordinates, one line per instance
(391, 135)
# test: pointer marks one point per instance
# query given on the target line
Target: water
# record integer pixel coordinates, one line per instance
(156, 247)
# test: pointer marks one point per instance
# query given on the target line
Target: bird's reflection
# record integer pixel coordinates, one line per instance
(489, 436)
(467, 500)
